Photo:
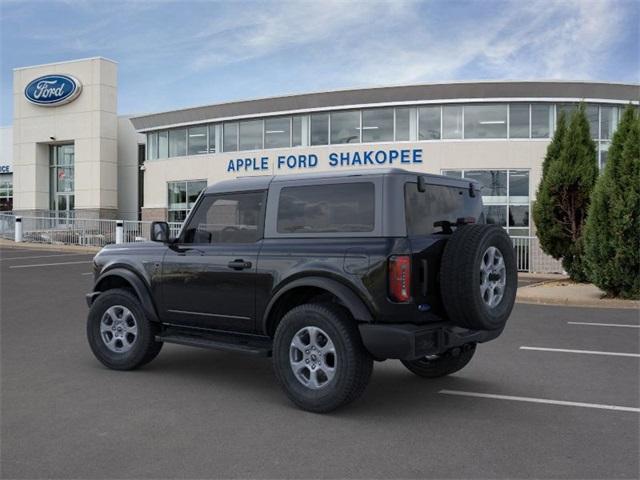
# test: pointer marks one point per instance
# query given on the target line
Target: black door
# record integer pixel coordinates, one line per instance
(208, 276)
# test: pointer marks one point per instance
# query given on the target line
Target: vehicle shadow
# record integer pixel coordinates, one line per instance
(392, 390)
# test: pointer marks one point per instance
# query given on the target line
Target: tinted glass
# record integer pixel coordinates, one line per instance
(163, 144)
(452, 121)
(230, 137)
(608, 121)
(437, 203)
(519, 186)
(193, 191)
(320, 129)
(495, 215)
(452, 173)
(485, 121)
(592, 117)
(296, 131)
(345, 207)
(277, 132)
(345, 127)
(197, 140)
(519, 216)
(152, 146)
(251, 135)
(493, 183)
(541, 120)
(377, 125)
(429, 123)
(519, 120)
(232, 218)
(403, 124)
(212, 139)
(178, 142)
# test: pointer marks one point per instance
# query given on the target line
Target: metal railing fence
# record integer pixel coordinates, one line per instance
(98, 233)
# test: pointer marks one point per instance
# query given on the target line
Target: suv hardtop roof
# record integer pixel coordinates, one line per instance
(262, 182)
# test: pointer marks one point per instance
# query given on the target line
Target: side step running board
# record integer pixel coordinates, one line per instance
(249, 344)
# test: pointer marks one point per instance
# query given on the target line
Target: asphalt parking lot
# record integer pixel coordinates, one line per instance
(564, 406)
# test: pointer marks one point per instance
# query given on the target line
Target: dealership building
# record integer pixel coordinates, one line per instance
(69, 152)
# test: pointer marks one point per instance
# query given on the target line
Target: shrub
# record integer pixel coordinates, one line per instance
(612, 233)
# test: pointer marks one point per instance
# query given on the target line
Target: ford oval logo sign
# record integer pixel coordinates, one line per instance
(53, 90)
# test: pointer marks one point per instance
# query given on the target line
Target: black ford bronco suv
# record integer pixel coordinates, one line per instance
(324, 272)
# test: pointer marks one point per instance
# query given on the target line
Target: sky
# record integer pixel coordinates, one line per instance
(176, 54)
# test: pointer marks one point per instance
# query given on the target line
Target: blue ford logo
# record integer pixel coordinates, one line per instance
(53, 90)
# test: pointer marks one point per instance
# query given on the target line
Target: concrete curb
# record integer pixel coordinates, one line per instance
(570, 296)
(46, 246)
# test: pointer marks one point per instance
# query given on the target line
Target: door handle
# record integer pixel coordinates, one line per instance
(239, 264)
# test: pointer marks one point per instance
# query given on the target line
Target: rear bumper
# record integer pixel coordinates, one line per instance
(409, 342)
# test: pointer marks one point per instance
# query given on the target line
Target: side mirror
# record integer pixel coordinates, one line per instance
(160, 232)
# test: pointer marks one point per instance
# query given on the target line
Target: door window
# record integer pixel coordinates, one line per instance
(227, 218)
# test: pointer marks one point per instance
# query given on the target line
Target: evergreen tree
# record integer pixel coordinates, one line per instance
(563, 197)
(612, 233)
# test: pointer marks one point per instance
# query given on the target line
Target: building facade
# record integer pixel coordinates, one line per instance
(80, 158)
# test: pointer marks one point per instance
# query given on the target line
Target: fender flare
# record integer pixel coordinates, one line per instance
(138, 285)
(346, 295)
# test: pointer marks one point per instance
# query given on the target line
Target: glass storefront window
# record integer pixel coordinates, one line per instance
(541, 120)
(592, 117)
(519, 186)
(493, 183)
(604, 152)
(296, 131)
(509, 211)
(212, 138)
(197, 140)
(6, 192)
(230, 137)
(377, 125)
(61, 184)
(182, 196)
(452, 121)
(608, 122)
(485, 121)
(251, 135)
(320, 129)
(429, 123)
(519, 120)
(178, 142)
(277, 132)
(152, 146)
(403, 124)
(163, 144)
(345, 127)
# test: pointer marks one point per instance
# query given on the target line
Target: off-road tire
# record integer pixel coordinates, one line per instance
(144, 349)
(353, 363)
(460, 277)
(445, 364)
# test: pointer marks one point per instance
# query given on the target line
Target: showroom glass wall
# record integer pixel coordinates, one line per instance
(61, 180)
(452, 122)
(505, 195)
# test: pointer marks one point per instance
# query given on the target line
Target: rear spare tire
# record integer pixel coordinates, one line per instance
(478, 277)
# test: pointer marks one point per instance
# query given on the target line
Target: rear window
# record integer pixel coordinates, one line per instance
(337, 208)
(437, 203)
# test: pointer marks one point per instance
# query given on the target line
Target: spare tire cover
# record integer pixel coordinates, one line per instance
(478, 277)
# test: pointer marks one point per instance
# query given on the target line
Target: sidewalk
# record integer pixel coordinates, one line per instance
(560, 291)
(47, 246)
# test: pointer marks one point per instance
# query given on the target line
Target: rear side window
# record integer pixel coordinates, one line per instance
(342, 207)
(437, 203)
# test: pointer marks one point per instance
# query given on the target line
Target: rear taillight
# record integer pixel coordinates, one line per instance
(400, 278)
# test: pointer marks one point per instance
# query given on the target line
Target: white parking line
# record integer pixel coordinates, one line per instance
(590, 352)
(88, 273)
(44, 256)
(49, 264)
(540, 400)
(604, 324)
